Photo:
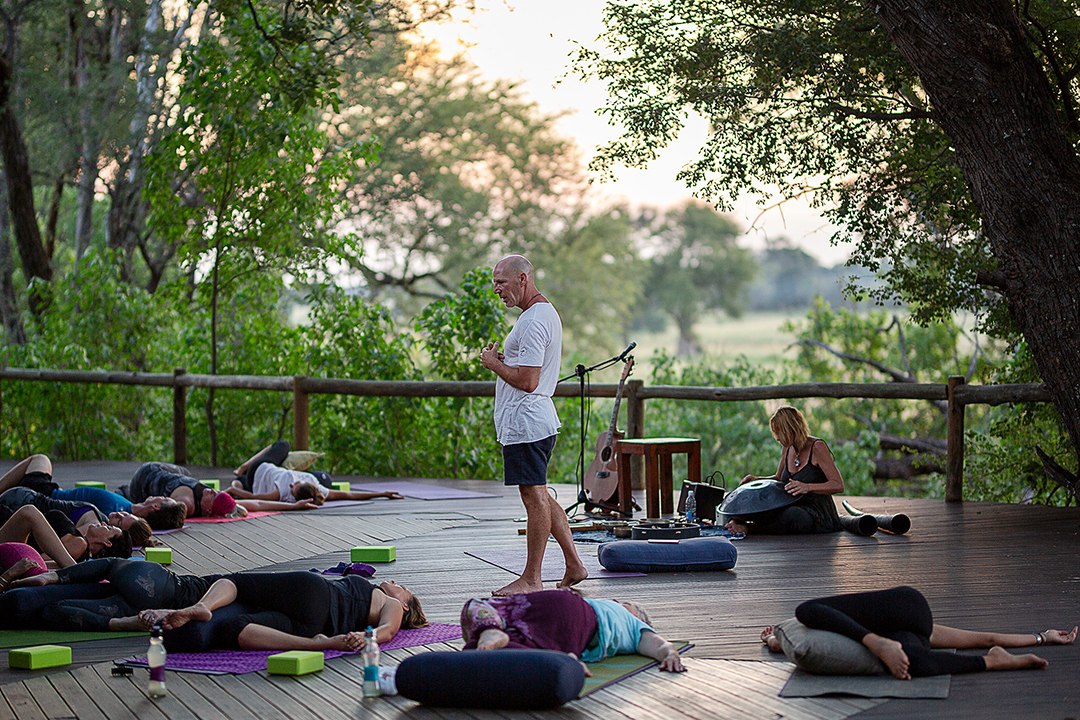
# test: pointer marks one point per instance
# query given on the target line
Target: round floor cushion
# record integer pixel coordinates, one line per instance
(691, 555)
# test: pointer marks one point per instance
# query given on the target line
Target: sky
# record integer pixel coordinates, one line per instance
(530, 41)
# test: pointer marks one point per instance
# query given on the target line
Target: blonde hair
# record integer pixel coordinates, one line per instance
(789, 427)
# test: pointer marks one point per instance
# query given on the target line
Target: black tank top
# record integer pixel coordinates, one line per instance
(820, 507)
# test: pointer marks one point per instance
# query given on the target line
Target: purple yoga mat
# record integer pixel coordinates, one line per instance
(239, 662)
(420, 491)
(513, 560)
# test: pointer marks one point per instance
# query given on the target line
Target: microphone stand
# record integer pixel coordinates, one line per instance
(580, 373)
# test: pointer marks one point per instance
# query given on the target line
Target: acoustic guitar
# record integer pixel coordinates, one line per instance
(602, 475)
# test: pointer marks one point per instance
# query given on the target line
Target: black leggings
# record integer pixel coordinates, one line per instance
(139, 585)
(275, 455)
(297, 603)
(900, 614)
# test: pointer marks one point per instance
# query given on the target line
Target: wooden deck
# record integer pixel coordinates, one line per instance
(983, 566)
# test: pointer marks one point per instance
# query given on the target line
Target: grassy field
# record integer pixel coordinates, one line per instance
(755, 335)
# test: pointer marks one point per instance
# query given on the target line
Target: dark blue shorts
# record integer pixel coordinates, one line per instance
(526, 463)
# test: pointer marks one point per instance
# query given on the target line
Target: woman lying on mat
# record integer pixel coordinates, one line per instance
(299, 611)
(262, 477)
(79, 526)
(159, 513)
(808, 472)
(896, 625)
(563, 620)
(166, 480)
(53, 600)
(28, 522)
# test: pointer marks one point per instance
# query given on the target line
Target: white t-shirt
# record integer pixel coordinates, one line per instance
(269, 476)
(535, 341)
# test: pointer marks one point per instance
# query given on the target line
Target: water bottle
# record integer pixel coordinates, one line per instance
(370, 660)
(155, 657)
(691, 508)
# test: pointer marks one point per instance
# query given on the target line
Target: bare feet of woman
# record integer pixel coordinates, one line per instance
(179, 618)
(16, 571)
(573, 575)
(517, 587)
(999, 659)
(149, 618)
(735, 527)
(492, 639)
(889, 652)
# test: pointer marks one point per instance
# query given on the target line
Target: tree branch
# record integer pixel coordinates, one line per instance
(878, 116)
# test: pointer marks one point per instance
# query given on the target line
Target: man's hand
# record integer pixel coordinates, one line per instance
(490, 357)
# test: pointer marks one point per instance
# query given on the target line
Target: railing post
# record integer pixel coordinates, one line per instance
(179, 421)
(301, 425)
(635, 428)
(954, 465)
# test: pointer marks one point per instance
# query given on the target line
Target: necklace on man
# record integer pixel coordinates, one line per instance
(533, 298)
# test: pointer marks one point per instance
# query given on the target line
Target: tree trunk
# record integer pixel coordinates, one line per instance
(991, 97)
(21, 190)
(9, 304)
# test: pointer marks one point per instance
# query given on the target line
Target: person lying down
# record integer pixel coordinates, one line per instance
(563, 620)
(897, 626)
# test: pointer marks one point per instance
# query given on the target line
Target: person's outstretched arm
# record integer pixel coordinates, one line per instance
(274, 506)
(659, 649)
(948, 637)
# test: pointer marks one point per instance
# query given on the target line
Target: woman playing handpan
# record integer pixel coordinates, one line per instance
(808, 472)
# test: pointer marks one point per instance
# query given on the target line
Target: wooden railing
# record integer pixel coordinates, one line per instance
(955, 393)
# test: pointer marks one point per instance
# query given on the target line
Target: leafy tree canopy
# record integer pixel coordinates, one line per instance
(814, 101)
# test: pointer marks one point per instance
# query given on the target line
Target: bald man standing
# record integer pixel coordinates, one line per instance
(525, 420)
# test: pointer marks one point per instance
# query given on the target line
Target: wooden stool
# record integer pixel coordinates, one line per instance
(658, 482)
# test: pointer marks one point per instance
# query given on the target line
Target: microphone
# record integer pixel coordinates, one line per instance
(626, 352)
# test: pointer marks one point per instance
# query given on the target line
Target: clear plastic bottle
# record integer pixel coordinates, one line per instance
(691, 508)
(155, 657)
(370, 660)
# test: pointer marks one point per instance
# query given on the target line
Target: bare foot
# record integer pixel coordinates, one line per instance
(132, 623)
(999, 659)
(16, 571)
(573, 576)
(179, 618)
(518, 587)
(492, 639)
(150, 618)
(735, 527)
(889, 652)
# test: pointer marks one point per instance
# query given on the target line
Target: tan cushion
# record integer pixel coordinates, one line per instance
(301, 459)
(825, 653)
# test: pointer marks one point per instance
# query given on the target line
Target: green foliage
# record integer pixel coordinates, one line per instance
(1000, 463)
(90, 421)
(457, 326)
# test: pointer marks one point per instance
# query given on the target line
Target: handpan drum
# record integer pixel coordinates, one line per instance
(757, 496)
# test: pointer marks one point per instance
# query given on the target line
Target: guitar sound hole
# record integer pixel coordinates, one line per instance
(605, 454)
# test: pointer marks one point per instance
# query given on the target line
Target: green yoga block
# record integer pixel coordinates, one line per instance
(295, 662)
(90, 483)
(342, 485)
(39, 656)
(374, 553)
(216, 484)
(161, 555)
